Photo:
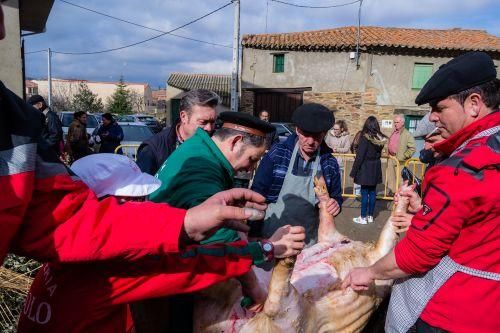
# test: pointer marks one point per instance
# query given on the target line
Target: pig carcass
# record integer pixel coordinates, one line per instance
(304, 293)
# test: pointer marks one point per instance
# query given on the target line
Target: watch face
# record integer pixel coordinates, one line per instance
(267, 247)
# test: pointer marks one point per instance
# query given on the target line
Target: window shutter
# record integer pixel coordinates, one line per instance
(421, 74)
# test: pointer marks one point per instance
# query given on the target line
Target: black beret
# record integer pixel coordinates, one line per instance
(35, 99)
(245, 122)
(461, 73)
(313, 118)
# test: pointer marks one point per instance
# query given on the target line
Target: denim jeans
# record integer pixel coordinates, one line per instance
(367, 200)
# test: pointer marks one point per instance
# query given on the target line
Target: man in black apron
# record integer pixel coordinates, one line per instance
(448, 264)
(285, 174)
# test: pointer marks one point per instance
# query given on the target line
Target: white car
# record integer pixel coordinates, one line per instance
(134, 134)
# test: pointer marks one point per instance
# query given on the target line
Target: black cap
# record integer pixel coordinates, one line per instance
(35, 99)
(313, 118)
(246, 123)
(463, 72)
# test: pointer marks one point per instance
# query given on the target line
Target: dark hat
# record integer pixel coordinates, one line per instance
(313, 118)
(424, 127)
(245, 122)
(463, 72)
(35, 99)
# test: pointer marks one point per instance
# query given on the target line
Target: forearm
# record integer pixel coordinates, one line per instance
(386, 268)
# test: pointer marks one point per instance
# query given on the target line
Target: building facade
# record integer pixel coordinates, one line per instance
(27, 16)
(179, 83)
(141, 94)
(282, 71)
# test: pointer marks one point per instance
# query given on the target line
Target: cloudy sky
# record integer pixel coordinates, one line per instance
(73, 29)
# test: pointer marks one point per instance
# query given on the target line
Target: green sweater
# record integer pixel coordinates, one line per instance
(194, 172)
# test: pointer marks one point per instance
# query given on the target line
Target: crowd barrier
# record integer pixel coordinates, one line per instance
(348, 190)
(128, 150)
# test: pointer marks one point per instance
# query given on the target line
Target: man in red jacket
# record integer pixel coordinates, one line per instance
(449, 259)
(49, 215)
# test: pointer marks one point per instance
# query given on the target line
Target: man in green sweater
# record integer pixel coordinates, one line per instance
(205, 165)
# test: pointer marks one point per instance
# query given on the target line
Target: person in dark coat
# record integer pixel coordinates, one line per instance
(52, 131)
(197, 109)
(110, 133)
(367, 168)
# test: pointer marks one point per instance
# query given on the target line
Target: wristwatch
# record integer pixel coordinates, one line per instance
(267, 249)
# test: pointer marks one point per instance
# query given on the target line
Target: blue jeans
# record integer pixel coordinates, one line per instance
(367, 200)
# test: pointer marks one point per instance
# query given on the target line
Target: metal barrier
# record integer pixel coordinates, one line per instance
(347, 161)
(128, 150)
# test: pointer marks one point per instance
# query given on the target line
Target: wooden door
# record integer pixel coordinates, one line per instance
(279, 104)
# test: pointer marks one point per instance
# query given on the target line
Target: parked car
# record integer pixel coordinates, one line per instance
(134, 134)
(150, 121)
(67, 117)
(284, 130)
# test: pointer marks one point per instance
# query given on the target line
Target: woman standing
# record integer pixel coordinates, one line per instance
(367, 168)
(338, 140)
(110, 133)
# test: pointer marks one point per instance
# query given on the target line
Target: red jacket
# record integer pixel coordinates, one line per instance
(460, 218)
(93, 298)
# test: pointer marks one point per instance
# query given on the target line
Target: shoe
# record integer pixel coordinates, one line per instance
(359, 220)
(369, 219)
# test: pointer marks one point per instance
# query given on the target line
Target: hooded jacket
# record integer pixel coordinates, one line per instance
(367, 168)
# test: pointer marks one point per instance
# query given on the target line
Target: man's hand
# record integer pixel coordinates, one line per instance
(408, 191)
(288, 241)
(332, 206)
(219, 211)
(359, 279)
(401, 221)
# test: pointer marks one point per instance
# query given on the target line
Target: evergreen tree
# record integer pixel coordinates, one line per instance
(86, 100)
(120, 102)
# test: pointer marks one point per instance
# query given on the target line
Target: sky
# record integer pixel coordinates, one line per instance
(73, 29)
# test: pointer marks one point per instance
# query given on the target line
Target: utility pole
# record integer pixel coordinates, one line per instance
(49, 76)
(359, 34)
(236, 57)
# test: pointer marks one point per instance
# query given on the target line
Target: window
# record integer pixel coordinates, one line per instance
(278, 63)
(421, 74)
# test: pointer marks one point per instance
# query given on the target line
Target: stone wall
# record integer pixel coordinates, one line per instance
(246, 101)
(353, 107)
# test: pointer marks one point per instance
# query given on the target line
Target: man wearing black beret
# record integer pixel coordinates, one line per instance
(205, 165)
(285, 174)
(449, 258)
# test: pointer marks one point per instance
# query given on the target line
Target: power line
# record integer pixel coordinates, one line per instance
(148, 39)
(142, 26)
(35, 51)
(315, 7)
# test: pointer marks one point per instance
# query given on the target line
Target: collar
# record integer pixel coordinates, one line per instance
(207, 140)
(449, 145)
(179, 137)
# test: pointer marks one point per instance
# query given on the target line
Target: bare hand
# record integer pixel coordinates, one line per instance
(203, 220)
(359, 279)
(332, 206)
(401, 221)
(288, 241)
(408, 191)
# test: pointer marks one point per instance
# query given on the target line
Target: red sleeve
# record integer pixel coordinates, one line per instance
(179, 275)
(437, 225)
(65, 222)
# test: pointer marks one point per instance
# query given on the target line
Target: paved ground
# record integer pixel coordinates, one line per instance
(369, 232)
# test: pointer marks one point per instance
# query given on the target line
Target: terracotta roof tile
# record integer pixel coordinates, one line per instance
(376, 37)
(218, 83)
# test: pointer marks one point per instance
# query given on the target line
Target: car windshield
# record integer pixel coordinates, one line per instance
(136, 133)
(67, 118)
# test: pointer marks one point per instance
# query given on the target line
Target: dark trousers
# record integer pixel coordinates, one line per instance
(368, 200)
(423, 327)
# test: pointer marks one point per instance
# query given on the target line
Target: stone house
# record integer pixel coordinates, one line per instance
(20, 18)
(141, 94)
(179, 83)
(282, 71)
